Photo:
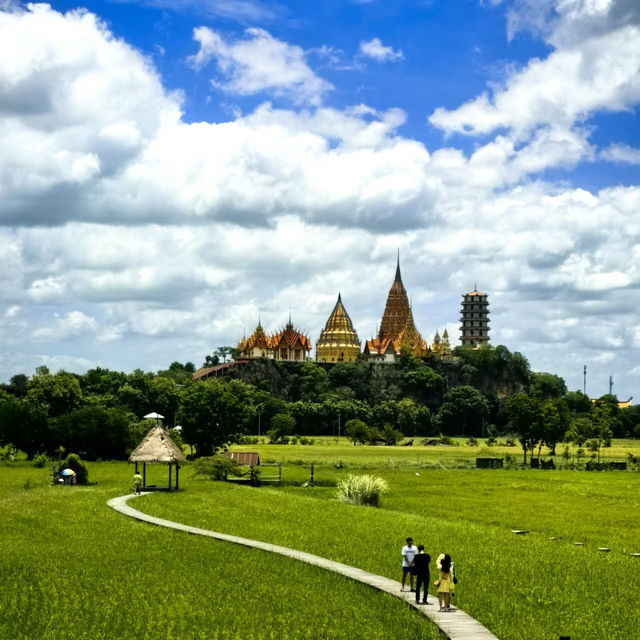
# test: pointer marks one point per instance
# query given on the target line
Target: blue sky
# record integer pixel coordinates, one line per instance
(172, 169)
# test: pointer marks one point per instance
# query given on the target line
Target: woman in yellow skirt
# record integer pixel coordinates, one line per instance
(444, 582)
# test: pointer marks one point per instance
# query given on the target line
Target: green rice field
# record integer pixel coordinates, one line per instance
(70, 565)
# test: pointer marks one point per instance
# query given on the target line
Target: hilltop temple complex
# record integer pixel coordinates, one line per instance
(339, 342)
(288, 344)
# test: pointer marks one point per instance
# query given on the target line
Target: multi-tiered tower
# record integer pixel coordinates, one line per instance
(474, 319)
(338, 340)
(397, 328)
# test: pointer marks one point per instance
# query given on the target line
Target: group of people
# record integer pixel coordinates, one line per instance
(415, 564)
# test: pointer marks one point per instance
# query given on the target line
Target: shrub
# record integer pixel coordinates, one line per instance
(491, 441)
(446, 440)
(216, 467)
(472, 441)
(510, 442)
(390, 435)
(73, 461)
(361, 490)
(40, 460)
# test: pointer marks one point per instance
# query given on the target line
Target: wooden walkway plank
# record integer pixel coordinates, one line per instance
(456, 624)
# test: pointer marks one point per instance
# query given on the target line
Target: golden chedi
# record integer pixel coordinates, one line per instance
(397, 328)
(338, 340)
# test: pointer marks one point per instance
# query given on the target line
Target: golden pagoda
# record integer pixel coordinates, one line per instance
(338, 340)
(397, 328)
(257, 345)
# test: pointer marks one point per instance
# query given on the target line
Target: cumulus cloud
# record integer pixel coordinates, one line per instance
(620, 153)
(127, 242)
(259, 63)
(375, 49)
(599, 74)
(71, 324)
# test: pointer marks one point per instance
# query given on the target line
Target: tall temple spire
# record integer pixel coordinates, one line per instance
(398, 276)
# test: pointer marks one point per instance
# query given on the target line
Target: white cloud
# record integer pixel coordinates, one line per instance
(620, 153)
(375, 49)
(600, 74)
(74, 323)
(150, 247)
(259, 63)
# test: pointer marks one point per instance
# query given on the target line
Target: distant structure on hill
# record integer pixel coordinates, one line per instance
(338, 340)
(474, 319)
(288, 344)
(397, 328)
(441, 346)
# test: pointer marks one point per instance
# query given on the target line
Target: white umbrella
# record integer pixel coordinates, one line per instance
(154, 416)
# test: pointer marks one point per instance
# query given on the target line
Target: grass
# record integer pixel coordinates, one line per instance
(69, 565)
(72, 567)
(521, 587)
(330, 451)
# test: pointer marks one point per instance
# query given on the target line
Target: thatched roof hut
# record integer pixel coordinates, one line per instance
(157, 447)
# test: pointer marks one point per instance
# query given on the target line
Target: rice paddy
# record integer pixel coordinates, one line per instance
(70, 565)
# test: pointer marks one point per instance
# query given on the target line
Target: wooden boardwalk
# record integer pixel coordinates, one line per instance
(456, 624)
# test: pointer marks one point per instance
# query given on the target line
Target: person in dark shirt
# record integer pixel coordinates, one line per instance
(421, 570)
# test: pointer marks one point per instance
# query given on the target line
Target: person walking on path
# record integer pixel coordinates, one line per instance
(409, 552)
(421, 569)
(137, 483)
(445, 581)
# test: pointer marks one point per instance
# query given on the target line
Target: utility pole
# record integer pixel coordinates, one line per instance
(610, 385)
(259, 416)
(585, 380)
(338, 424)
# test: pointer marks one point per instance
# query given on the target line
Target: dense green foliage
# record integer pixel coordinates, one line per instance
(481, 392)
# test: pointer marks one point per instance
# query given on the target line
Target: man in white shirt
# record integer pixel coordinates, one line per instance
(409, 552)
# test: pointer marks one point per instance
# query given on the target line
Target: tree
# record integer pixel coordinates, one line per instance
(525, 415)
(282, 425)
(356, 431)
(390, 436)
(578, 402)
(210, 416)
(55, 394)
(547, 385)
(95, 431)
(24, 426)
(224, 352)
(463, 412)
(314, 382)
(178, 372)
(555, 423)
(211, 361)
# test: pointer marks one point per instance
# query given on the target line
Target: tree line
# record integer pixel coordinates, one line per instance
(483, 392)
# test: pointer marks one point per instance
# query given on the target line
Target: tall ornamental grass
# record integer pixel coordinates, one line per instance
(363, 489)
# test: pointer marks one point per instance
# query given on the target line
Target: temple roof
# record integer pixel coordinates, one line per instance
(339, 330)
(290, 337)
(258, 339)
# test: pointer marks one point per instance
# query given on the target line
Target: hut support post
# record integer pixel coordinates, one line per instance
(144, 474)
(169, 476)
(177, 477)
(136, 468)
